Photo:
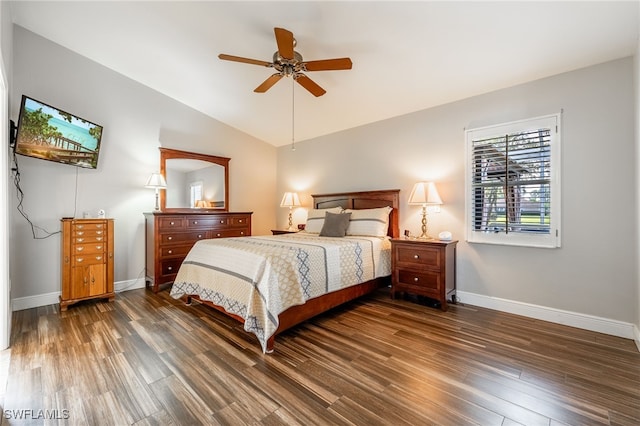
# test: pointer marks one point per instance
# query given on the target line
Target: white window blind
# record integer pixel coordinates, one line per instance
(513, 190)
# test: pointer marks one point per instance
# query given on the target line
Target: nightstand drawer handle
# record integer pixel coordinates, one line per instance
(415, 256)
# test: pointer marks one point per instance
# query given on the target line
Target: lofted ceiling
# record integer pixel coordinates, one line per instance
(407, 56)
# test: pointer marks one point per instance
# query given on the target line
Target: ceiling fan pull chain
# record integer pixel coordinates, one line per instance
(293, 112)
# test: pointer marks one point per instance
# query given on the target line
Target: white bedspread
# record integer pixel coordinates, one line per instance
(257, 278)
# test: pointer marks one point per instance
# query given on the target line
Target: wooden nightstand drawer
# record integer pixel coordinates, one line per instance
(420, 280)
(418, 256)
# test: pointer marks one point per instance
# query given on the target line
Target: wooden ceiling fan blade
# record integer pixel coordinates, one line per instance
(268, 83)
(328, 64)
(226, 57)
(310, 85)
(284, 38)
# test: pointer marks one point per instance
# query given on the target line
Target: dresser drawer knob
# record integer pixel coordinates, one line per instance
(79, 248)
(170, 268)
(98, 257)
(416, 279)
(241, 233)
(199, 235)
(79, 226)
(99, 247)
(217, 235)
(99, 232)
(98, 238)
(80, 233)
(222, 221)
(195, 222)
(79, 259)
(415, 256)
(169, 238)
(99, 226)
(79, 240)
(172, 223)
(170, 251)
(240, 221)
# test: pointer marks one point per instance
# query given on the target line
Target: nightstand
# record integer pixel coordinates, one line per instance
(425, 268)
(283, 231)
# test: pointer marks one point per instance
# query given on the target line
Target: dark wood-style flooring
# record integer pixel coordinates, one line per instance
(147, 359)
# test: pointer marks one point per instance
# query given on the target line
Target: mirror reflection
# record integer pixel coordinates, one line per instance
(194, 184)
(194, 181)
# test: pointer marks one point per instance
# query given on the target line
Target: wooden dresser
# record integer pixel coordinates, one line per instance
(170, 236)
(87, 260)
(424, 267)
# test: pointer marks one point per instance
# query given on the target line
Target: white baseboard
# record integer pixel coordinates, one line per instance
(558, 316)
(21, 303)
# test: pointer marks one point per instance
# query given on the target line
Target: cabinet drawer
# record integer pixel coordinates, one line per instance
(419, 280)
(91, 259)
(238, 221)
(179, 237)
(91, 226)
(176, 222)
(171, 266)
(418, 256)
(206, 222)
(88, 248)
(88, 233)
(225, 233)
(88, 239)
(173, 251)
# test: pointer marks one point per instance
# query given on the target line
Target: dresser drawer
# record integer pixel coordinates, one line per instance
(83, 239)
(169, 223)
(170, 266)
(88, 233)
(175, 251)
(88, 248)
(225, 233)
(418, 280)
(88, 226)
(179, 237)
(206, 222)
(91, 259)
(238, 221)
(418, 256)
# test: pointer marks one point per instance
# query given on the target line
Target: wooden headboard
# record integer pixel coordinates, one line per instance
(364, 200)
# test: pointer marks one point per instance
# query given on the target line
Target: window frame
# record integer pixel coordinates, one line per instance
(533, 239)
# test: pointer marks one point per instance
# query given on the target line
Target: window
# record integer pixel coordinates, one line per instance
(195, 193)
(513, 183)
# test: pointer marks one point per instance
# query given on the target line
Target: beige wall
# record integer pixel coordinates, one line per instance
(136, 120)
(594, 272)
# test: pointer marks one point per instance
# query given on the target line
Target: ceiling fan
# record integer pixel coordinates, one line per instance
(289, 63)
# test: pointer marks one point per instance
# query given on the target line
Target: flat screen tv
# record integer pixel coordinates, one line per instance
(51, 134)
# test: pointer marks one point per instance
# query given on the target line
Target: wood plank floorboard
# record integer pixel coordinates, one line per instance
(147, 359)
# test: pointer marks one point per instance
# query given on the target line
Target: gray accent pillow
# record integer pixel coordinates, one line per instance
(335, 225)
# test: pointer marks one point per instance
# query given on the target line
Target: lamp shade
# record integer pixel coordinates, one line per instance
(425, 193)
(156, 180)
(290, 199)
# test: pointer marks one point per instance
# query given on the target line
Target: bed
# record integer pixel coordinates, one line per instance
(246, 277)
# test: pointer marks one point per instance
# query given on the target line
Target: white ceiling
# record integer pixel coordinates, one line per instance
(407, 56)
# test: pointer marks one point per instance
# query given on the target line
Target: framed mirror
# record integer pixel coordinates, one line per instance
(195, 182)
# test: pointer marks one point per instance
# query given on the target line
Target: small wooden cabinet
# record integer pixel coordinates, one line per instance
(170, 236)
(425, 268)
(87, 260)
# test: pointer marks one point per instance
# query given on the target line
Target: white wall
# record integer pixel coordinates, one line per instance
(594, 272)
(136, 120)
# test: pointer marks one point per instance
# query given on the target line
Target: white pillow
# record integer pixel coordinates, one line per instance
(369, 222)
(315, 219)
